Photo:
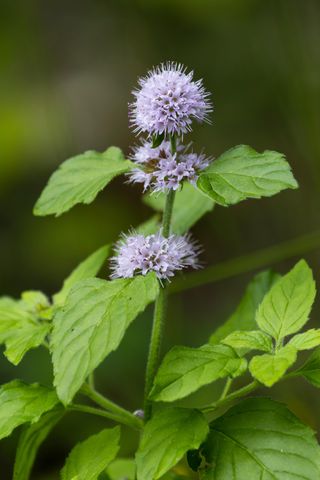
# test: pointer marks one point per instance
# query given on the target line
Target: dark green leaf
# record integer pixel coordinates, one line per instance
(311, 369)
(261, 440)
(29, 442)
(157, 140)
(244, 316)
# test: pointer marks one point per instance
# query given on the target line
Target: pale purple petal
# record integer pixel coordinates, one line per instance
(137, 254)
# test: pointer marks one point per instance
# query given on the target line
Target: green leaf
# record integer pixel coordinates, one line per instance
(122, 469)
(169, 434)
(244, 316)
(286, 307)
(35, 301)
(184, 370)
(260, 439)
(311, 368)
(79, 179)
(91, 457)
(306, 340)
(189, 206)
(21, 403)
(12, 315)
(252, 340)
(19, 328)
(24, 339)
(268, 369)
(157, 139)
(242, 173)
(29, 442)
(92, 324)
(86, 269)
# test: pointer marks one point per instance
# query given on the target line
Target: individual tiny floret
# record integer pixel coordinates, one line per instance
(168, 100)
(160, 170)
(138, 254)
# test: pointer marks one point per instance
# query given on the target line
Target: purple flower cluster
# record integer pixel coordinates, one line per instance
(160, 170)
(165, 106)
(168, 100)
(137, 254)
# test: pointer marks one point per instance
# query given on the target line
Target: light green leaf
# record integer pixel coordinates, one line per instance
(21, 403)
(252, 340)
(30, 440)
(169, 434)
(23, 339)
(268, 369)
(122, 469)
(244, 316)
(12, 315)
(79, 179)
(260, 439)
(19, 328)
(242, 173)
(91, 457)
(311, 368)
(92, 324)
(35, 301)
(184, 370)
(306, 340)
(286, 307)
(86, 269)
(189, 206)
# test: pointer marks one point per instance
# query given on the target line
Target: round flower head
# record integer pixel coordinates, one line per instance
(160, 170)
(137, 254)
(168, 100)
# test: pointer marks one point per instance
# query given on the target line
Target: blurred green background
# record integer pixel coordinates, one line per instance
(67, 71)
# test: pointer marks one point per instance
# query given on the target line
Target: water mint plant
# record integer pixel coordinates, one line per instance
(242, 433)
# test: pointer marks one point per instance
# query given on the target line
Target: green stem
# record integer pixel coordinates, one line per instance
(121, 414)
(241, 392)
(226, 388)
(155, 346)
(91, 380)
(160, 309)
(236, 266)
(100, 413)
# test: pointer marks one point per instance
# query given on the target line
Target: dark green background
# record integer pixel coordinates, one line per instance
(67, 70)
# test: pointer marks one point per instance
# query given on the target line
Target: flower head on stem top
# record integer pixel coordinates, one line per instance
(168, 100)
(139, 254)
(160, 170)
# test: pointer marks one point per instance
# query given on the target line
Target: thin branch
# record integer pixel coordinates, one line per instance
(246, 263)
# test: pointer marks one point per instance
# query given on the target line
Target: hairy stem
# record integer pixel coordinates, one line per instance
(120, 414)
(160, 307)
(236, 266)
